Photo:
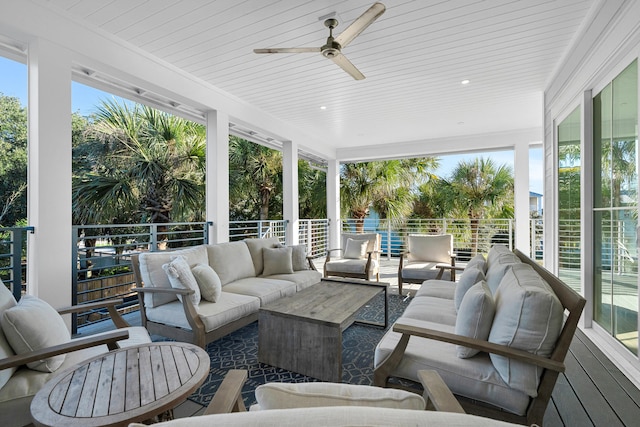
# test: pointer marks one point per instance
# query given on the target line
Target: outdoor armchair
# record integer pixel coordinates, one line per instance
(427, 257)
(358, 257)
(35, 343)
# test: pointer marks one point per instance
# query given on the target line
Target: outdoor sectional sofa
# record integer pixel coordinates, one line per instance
(251, 273)
(498, 337)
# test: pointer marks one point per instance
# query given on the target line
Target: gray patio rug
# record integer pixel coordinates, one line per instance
(239, 350)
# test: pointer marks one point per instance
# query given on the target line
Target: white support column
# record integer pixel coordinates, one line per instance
(290, 199)
(521, 195)
(587, 244)
(333, 202)
(217, 175)
(49, 176)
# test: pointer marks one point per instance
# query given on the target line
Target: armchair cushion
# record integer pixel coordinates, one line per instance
(435, 248)
(316, 394)
(33, 325)
(181, 277)
(528, 317)
(277, 261)
(475, 317)
(355, 249)
(469, 277)
(208, 281)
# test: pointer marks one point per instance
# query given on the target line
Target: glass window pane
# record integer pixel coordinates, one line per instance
(569, 200)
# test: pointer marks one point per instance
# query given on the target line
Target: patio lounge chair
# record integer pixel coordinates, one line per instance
(359, 257)
(35, 343)
(428, 257)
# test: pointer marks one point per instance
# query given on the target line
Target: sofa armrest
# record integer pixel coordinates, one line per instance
(481, 345)
(109, 338)
(110, 305)
(189, 309)
(228, 397)
(437, 394)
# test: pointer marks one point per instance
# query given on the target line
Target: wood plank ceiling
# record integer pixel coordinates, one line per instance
(414, 58)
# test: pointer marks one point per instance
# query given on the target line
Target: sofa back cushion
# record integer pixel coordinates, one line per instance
(433, 248)
(232, 261)
(528, 317)
(495, 252)
(478, 261)
(498, 268)
(469, 277)
(255, 249)
(154, 276)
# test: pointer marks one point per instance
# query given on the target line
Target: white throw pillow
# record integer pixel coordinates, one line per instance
(277, 261)
(208, 281)
(320, 394)
(33, 325)
(355, 249)
(475, 317)
(528, 317)
(469, 277)
(181, 277)
(6, 302)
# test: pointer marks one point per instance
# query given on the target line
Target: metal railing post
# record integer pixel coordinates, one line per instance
(153, 237)
(388, 240)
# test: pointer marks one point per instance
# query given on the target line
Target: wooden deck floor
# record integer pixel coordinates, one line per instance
(592, 391)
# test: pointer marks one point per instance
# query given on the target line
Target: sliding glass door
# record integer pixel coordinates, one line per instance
(615, 258)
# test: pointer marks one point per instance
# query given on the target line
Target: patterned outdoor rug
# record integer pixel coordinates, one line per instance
(239, 350)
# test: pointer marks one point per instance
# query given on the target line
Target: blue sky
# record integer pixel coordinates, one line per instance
(13, 82)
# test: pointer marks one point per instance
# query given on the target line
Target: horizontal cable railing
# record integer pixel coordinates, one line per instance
(314, 233)
(13, 258)
(240, 230)
(102, 254)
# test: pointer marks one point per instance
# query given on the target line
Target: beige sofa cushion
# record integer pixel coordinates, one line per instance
(232, 261)
(475, 377)
(267, 290)
(495, 252)
(437, 288)
(528, 317)
(432, 309)
(32, 325)
(255, 247)
(479, 261)
(153, 275)
(499, 267)
(336, 417)
(228, 308)
(303, 278)
(475, 316)
(313, 394)
(277, 261)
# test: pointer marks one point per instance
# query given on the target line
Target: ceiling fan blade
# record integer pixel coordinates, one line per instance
(360, 24)
(288, 50)
(347, 66)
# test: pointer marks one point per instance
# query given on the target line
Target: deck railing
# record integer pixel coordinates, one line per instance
(13, 259)
(102, 269)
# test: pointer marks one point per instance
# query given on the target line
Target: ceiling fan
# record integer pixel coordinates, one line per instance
(333, 48)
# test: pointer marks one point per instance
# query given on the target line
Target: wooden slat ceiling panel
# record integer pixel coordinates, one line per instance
(414, 57)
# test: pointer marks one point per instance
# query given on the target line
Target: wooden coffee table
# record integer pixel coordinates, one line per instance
(303, 333)
(131, 384)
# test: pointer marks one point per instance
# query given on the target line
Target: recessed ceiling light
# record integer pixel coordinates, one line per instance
(465, 82)
(323, 107)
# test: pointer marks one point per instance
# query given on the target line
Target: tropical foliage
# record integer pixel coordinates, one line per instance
(13, 161)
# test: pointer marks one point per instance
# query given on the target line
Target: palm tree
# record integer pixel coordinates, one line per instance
(146, 166)
(480, 188)
(385, 185)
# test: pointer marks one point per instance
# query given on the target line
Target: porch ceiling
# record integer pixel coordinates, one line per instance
(414, 58)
